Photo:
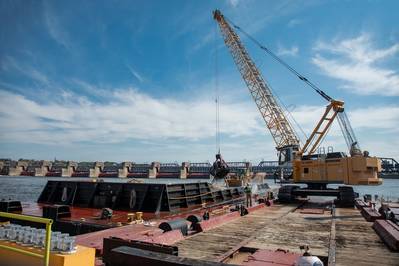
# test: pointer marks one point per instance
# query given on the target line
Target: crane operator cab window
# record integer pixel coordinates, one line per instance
(286, 154)
(284, 157)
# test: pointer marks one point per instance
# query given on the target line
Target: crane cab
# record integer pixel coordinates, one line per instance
(286, 155)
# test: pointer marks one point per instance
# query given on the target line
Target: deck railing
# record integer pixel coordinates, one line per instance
(47, 222)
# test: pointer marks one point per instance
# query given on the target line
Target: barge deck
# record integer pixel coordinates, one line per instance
(214, 243)
(357, 243)
(346, 239)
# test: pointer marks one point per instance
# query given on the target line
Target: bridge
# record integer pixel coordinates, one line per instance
(184, 170)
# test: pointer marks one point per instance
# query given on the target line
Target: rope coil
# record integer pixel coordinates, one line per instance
(190, 197)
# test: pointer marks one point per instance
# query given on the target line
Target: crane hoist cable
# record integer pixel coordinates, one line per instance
(287, 111)
(343, 120)
(282, 62)
(270, 87)
(289, 114)
(219, 169)
(217, 100)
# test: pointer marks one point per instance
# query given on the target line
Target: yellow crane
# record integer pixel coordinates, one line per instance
(315, 170)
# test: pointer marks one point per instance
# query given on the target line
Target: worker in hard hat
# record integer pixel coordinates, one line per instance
(248, 194)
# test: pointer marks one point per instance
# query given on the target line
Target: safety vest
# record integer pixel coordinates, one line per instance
(247, 190)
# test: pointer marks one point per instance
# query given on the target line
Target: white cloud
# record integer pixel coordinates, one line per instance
(132, 115)
(10, 64)
(294, 22)
(358, 63)
(129, 114)
(254, 20)
(89, 88)
(385, 118)
(233, 3)
(203, 41)
(55, 30)
(135, 74)
(372, 125)
(282, 51)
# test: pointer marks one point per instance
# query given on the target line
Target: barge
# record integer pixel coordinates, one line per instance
(198, 224)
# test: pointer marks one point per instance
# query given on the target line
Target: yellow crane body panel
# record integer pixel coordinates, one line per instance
(357, 170)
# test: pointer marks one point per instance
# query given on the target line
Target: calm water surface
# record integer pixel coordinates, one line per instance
(29, 188)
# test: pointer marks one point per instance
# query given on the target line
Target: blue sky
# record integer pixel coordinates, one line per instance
(135, 80)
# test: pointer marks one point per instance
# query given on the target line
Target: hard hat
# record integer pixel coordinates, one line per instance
(308, 261)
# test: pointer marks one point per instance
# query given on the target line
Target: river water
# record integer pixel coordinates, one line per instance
(29, 188)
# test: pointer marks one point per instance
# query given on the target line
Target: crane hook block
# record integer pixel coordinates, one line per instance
(219, 169)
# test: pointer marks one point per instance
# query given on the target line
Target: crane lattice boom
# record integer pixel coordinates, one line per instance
(281, 130)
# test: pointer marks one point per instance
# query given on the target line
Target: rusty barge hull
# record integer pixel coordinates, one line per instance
(144, 197)
(76, 206)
